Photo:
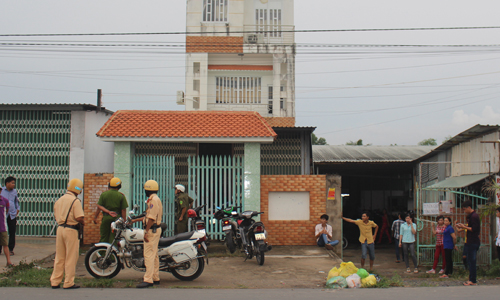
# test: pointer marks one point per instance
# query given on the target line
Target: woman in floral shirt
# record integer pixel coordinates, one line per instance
(438, 231)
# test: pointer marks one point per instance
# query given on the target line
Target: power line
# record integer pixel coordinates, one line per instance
(252, 31)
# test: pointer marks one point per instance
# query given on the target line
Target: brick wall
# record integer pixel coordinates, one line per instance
(93, 186)
(300, 232)
(214, 44)
(280, 121)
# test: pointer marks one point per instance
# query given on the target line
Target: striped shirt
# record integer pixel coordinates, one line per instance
(396, 226)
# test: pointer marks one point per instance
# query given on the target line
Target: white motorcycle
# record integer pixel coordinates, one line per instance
(183, 255)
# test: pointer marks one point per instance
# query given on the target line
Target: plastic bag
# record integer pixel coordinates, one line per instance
(347, 269)
(362, 273)
(369, 281)
(334, 272)
(338, 282)
(353, 281)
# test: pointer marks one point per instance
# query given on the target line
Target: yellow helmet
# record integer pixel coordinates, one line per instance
(115, 182)
(151, 185)
(75, 185)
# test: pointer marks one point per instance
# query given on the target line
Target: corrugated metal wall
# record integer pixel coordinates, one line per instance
(475, 151)
(35, 148)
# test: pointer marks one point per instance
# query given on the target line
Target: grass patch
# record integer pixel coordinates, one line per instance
(27, 275)
(394, 281)
(95, 283)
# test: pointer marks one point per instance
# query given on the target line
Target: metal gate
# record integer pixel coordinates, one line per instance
(216, 181)
(35, 149)
(441, 195)
(162, 170)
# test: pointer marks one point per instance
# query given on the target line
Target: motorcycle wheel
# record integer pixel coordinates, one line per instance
(94, 263)
(230, 242)
(260, 257)
(194, 271)
(344, 243)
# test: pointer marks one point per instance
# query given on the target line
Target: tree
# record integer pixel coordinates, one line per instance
(358, 143)
(316, 141)
(428, 142)
(447, 138)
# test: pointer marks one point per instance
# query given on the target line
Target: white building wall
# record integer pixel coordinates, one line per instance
(99, 156)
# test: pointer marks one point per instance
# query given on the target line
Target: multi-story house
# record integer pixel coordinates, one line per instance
(240, 56)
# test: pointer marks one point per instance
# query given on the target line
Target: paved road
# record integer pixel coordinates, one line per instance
(483, 292)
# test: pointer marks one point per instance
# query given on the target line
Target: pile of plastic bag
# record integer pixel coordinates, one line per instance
(347, 275)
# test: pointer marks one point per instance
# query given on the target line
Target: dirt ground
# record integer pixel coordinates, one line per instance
(284, 267)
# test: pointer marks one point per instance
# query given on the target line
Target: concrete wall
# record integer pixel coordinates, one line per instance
(98, 154)
(334, 207)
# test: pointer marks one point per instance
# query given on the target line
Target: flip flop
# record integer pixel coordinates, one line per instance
(469, 283)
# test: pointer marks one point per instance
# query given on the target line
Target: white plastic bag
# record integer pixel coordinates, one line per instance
(353, 281)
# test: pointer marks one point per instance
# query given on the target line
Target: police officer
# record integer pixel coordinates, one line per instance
(152, 233)
(68, 213)
(181, 206)
(113, 205)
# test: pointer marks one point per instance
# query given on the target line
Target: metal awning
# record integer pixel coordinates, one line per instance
(457, 182)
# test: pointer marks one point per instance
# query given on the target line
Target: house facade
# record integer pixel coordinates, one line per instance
(43, 146)
(240, 56)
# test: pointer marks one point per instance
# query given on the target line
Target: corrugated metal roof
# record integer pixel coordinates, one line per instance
(457, 182)
(53, 106)
(467, 135)
(346, 153)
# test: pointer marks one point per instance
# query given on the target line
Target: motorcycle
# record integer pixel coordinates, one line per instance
(243, 231)
(183, 255)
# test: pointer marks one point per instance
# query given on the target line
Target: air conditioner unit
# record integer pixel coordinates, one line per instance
(252, 38)
(180, 97)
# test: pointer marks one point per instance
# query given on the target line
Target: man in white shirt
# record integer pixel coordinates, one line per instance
(323, 233)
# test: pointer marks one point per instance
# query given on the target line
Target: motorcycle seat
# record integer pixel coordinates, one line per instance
(165, 242)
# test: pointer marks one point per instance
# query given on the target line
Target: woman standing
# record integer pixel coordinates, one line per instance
(438, 231)
(449, 241)
(407, 242)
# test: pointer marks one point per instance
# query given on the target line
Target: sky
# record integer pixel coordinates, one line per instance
(384, 86)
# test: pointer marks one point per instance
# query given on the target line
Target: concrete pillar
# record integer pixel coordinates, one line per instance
(276, 85)
(251, 188)
(124, 157)
(334, 208)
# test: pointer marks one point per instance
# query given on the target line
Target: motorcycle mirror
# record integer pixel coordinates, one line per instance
(131, 212)
(136, 206)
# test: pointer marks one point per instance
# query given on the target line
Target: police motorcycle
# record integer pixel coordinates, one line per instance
(183, 255)
(243, 231)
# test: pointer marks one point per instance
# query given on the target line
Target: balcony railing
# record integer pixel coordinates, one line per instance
(269, 34)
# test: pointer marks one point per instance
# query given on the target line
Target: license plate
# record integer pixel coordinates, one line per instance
(227, 227)
(260, 236)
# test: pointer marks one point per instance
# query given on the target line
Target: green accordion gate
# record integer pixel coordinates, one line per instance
(162, 170)
(35, 148)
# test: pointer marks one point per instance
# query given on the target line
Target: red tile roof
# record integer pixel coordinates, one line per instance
(185, 124)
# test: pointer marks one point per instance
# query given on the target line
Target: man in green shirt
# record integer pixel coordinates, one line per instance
(113, 205)
(182, 204)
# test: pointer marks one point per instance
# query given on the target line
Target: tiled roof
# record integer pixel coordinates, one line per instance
(185, 124)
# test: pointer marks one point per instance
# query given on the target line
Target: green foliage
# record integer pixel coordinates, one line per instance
(96, 283)
(428, 142)
(447, 138)
(318, 141)
(358, 143)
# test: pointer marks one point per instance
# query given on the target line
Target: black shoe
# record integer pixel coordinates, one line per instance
(55, 286)
(72, 287)
(144, 285)
(156, 282)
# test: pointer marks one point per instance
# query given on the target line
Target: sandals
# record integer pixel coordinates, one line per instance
(469, 283)
(415, 271)
(444, 276)
(408, 270)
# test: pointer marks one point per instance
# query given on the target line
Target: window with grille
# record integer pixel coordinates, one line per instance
(238, 90)
(268, 22)
(215, 10)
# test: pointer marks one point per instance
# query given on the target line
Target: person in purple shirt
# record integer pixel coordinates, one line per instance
(10, 193)
(4, 208)
(473, 242)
